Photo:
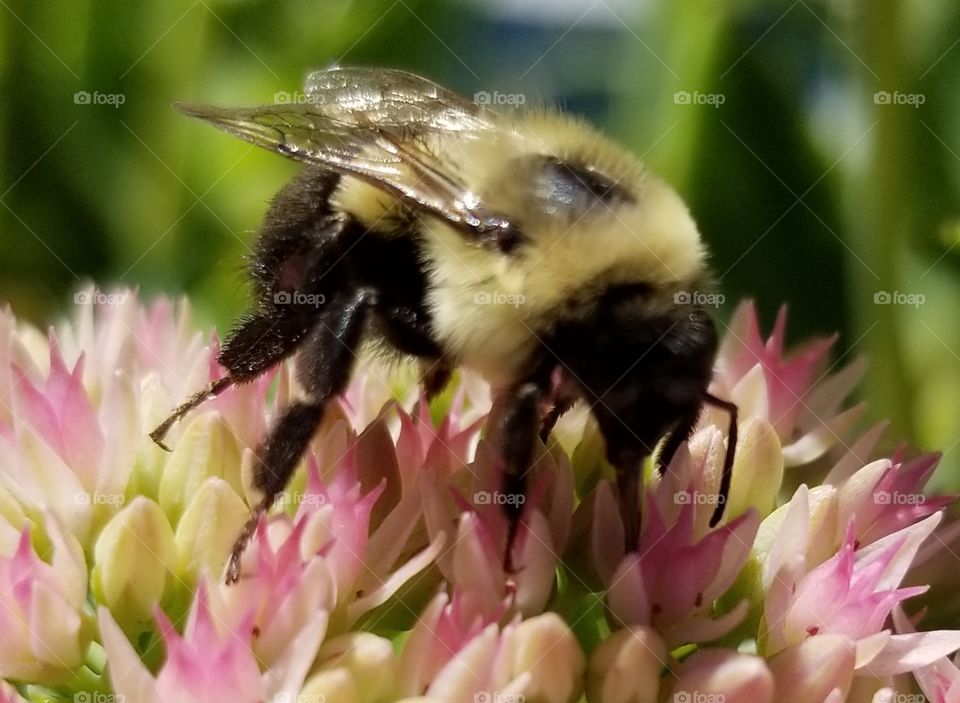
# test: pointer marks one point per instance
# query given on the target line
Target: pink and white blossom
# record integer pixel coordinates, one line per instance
(380, 573)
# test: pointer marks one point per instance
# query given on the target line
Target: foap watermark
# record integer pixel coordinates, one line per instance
(484, 97)
(112, 499)
(498, 498)
(98, 697)
(888, 695)
(284, 297)
(898, 498)
(297, 97)
(294, 697)
(285, 498)
(883, 297)
(685, 97)
(85, 97)
(497, 298)
(498, 697)
(701, 298)
(883, 97)
(96, 297)
(697, 498)
(898, 697)
(698, 697)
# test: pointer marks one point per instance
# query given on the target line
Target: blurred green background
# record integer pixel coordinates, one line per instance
(816, 143)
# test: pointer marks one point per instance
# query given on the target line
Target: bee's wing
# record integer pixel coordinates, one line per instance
(368, 124)
(388, 98)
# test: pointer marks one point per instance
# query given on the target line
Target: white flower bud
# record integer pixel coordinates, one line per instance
(626, 667)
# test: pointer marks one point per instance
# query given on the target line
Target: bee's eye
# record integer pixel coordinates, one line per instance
(562, 186)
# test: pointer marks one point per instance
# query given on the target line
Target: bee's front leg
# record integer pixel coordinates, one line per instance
(260, 342)
(323, 370)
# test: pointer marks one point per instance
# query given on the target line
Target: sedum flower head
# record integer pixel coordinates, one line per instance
(378, 575)
(41, 611)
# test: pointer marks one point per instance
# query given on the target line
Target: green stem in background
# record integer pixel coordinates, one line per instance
(878, 208)
(684, 59)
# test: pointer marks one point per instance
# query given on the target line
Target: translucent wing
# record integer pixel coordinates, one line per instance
(392, 99)
(371, 124)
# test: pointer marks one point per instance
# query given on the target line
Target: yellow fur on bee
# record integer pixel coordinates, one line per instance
(490, 308)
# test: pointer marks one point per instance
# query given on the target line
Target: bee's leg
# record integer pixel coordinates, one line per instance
(630, 490)
(299, 236)
(678, 435)
(406, 326)
(323, 370)
(211, 390)
(516, 436)
(627, 450)
(557, 410)
(728, 458)
(434, 376)
(257, 344)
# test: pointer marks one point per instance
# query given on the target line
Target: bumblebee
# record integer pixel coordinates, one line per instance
(524, 245)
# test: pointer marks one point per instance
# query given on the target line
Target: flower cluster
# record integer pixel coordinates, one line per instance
(378, 574)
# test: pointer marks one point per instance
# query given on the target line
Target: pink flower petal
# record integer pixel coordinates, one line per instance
(705, 629)
(285, 677)
(129, 677)
(905, 544)
(606, 532)
(475, 546)
(535, 563)
(724, 675)
(909, 652)
(626, 596)
(204, 664)
(940, 679)
(398, 578)
(813, 444)
(857, 456)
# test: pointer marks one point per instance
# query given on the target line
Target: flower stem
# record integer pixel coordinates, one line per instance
(882, 220)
